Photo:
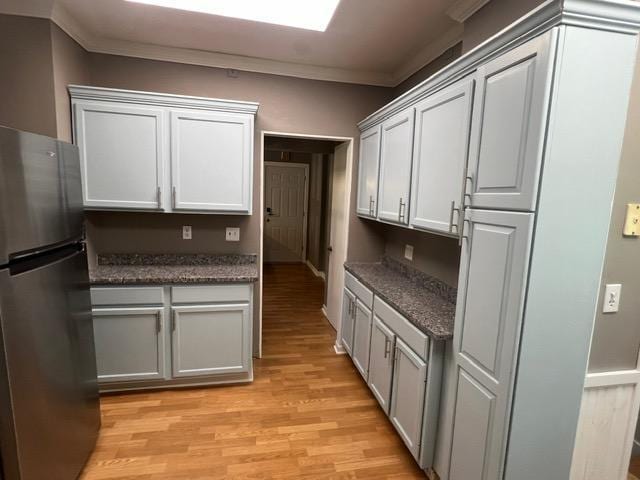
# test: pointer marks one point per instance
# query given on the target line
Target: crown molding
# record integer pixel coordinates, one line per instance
(621, 16)
(80, 92)
(429, 53)
(463, 9)
(93, 43)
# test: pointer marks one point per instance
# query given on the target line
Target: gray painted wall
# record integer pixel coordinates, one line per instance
(26, 78)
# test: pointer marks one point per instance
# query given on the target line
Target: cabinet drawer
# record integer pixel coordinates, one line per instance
(127, 296)
(363, 293)
(211, 293)
(414, 338)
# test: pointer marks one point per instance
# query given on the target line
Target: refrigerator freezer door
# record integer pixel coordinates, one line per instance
(49, 410)
(40, 192)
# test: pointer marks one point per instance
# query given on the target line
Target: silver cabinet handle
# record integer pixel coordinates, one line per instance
(453, 209)
(173, 321)
(158, 321)
(371, 203)
(174, 196)
(462, 235)
(401, 210)
(159, 197)
(467, 180)
(387, 344)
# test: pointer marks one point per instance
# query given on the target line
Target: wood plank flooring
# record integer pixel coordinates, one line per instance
(307, 415)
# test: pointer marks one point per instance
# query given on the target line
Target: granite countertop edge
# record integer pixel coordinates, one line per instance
(143, 269)
(352, 269)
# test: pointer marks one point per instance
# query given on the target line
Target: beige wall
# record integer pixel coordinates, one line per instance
(70, 66)
(26, 75)
(493, 17)
(616, 337)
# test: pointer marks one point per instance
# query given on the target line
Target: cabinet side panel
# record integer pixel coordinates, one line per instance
(584, 138)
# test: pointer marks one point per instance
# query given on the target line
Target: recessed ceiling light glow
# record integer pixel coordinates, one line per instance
(310, 15)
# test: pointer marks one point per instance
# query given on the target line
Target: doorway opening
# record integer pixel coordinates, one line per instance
(305, 198)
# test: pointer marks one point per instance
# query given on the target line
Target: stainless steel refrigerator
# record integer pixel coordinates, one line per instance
(49, 409)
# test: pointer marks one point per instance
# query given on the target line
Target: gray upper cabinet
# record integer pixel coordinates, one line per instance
(395, 167)
(346, 328)
(493, 272)
(407, 396)
(210, 339)
(121, 155)
(211, 158)
(151, 151)
(368, 169)
(509, 119)
(129, 343)
(440, 149)
(361, 338)
(381, 362)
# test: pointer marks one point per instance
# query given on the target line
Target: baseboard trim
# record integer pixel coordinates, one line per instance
(339, 349)
(315, 271)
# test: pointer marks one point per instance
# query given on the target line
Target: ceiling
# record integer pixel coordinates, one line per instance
(379, 42)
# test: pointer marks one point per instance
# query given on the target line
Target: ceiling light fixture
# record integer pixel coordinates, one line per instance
(314, 15)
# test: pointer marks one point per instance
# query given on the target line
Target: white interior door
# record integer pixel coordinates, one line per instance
(338, 234)
(285, 214)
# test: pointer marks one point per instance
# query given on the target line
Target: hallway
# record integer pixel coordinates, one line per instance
(308, 413)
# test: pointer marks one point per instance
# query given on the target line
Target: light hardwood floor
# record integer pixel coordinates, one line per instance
(307, 415)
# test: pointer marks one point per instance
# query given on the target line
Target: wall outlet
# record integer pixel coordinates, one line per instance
(611, 301)
(408, 252)
(233, 234)
(186, 232)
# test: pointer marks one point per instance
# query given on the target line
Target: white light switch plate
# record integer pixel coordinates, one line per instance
(611, 301)
(233, 234)
(186, 232)
(408, 252)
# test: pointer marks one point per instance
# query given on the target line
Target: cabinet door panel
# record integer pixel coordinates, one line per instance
(346, 329)
(395, 167)
(509, 119)
(362, 338)
(493, 272)
(211, 161)
(381, 362)
(441, 145)
(121, 155)
(368, 170)
(210, 339)
(129, 345)
(407, 396)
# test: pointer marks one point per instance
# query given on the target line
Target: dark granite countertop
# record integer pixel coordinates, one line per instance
(426, 302)
(123, 269)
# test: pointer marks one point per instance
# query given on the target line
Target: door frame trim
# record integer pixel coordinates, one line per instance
(347, 200)
(305, 213)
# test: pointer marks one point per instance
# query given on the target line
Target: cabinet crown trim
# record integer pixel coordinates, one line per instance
(621, 16)
(80, 92)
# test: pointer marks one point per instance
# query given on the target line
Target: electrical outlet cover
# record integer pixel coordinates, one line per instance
(233, 234)
(408, 252)
(186, 232)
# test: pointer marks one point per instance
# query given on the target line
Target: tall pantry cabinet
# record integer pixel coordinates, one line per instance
(535, 119)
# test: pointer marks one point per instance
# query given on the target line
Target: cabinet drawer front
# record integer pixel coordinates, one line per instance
(211, 293)
(127, 296)
(414, 338)
(359, 290)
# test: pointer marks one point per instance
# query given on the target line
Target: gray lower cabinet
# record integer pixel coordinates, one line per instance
(381, 362)
(346, 329)
(129, 343)
(407, 396)
(493, 273)
(210, 339)
(180, 335)
(361, 338)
